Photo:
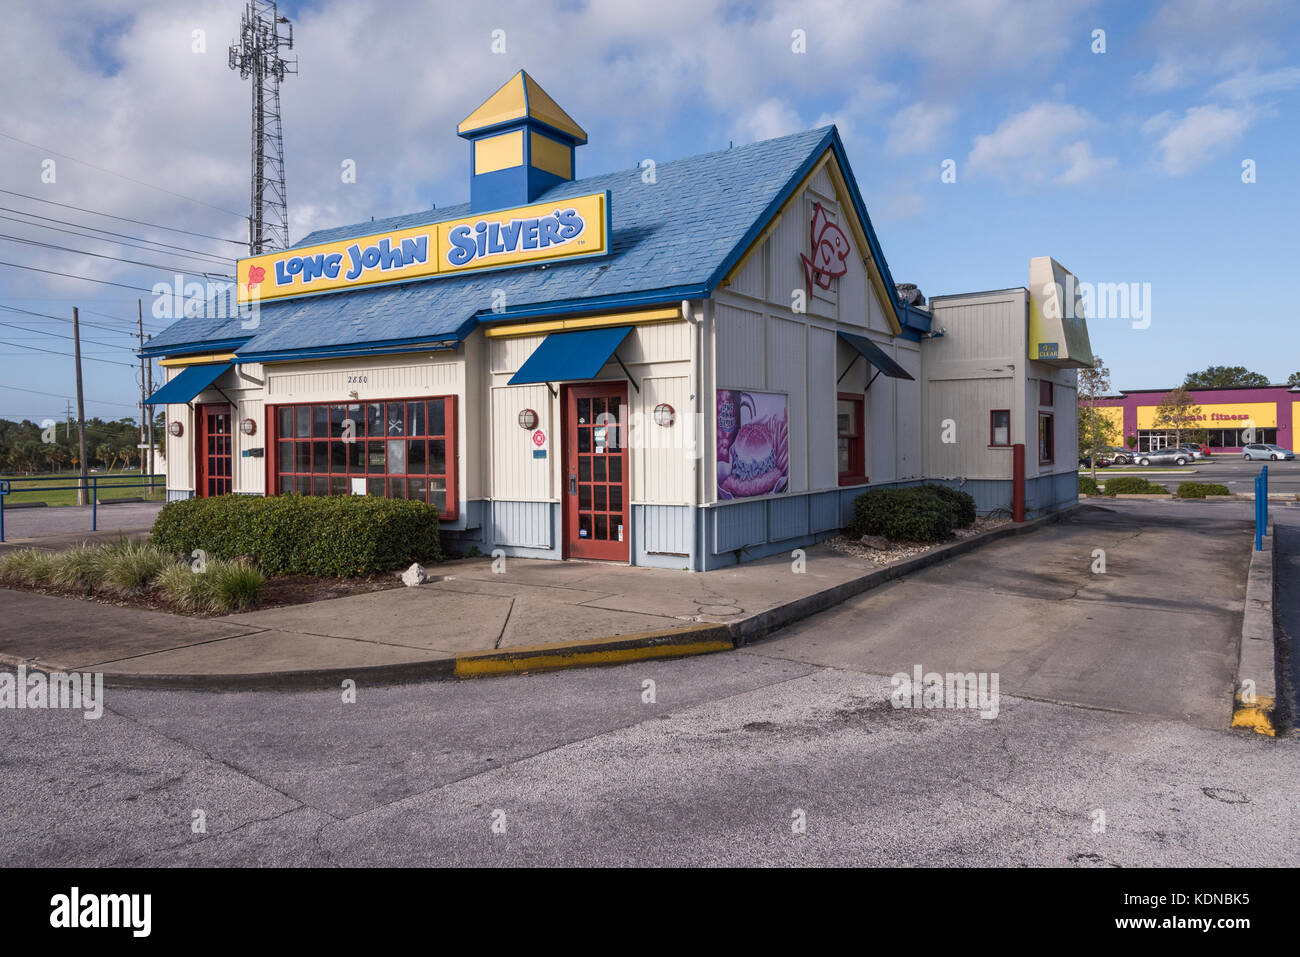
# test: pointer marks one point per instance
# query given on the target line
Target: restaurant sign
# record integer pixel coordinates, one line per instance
(568, 229)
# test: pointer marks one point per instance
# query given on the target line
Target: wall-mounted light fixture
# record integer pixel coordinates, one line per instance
(665, 415)
(527, 420)
(248, 427)
(176, 430)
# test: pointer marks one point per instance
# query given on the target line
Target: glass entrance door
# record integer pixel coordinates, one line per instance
(595, 472)
(214, 459)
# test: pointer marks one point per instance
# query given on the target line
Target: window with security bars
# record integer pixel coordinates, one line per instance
(395, 448)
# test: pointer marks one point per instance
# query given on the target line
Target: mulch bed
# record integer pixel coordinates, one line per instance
(887, 553)
(300, 589)
(278, 592)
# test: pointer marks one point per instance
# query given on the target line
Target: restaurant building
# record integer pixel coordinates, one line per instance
(1225, 419)
(684, 365)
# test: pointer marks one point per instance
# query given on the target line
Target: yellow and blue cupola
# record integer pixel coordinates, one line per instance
(521, 144)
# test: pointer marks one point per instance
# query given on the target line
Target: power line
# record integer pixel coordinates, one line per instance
(195, 253)
(138, 222)
(64, 275)
(39, 332)
(46, 315)
(52, 352)
(134, 262)
(57, 395)
(121, 175)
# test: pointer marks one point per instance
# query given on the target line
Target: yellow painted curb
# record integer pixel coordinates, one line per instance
(670, 643)
(1258, 717)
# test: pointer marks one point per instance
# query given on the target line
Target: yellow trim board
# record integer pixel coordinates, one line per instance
(850, 215)
(197, 360)
(582, 322)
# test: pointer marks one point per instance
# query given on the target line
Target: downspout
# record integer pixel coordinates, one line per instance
(697, 478)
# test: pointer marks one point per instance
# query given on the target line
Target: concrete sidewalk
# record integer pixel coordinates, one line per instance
(531, 614)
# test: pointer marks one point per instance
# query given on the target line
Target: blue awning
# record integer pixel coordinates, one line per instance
(875, 355)
(564, 356)
(188, 384)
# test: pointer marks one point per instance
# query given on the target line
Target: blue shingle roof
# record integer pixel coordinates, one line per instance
(670, 239)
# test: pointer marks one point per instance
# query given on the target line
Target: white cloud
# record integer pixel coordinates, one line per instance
(1249, 84)
(1166, 74)
(1040, 144)
(919, 127)
(1083, 165)
(766, 120)
(1192, 140)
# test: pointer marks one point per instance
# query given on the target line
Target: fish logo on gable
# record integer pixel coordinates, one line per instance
(830, 250)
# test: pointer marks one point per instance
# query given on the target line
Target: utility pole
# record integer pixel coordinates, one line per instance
(149, 375)
(144, 409)
(82, 498)
(256, 55)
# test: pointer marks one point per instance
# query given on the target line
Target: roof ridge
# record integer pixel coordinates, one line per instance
(374, 225)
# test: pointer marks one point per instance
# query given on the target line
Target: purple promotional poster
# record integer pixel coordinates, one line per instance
(753, 444)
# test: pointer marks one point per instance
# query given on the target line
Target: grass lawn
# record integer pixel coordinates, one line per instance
(22, 489)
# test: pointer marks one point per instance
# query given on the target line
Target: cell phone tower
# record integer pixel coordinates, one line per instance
(256, 54)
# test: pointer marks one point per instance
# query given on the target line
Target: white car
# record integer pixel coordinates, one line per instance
(1274, 453)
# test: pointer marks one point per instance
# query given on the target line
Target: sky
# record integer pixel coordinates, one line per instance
(1150, 145)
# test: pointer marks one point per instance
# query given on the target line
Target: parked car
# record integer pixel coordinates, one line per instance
(1173, 456)
(1103, 460)
(1193, 449)
(1119, 456)
(1265, 451)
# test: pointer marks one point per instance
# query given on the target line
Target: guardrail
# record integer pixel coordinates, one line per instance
(1261, 508)
(90, 484)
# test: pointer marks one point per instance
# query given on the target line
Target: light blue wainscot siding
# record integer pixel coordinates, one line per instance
(743, 531)
(663, 536)
(525, 529)
(179, 494)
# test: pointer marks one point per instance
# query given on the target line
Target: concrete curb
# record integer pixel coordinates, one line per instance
(1253, 705)
(677, 642)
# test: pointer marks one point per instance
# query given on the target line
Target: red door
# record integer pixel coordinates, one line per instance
(595, 472)
(212, 458)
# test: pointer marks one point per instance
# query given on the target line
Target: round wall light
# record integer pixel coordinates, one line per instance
(528, 420)
(665, 415)
(176, 430)
(248, 427)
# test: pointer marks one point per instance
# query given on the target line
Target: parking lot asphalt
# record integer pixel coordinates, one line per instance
(1238, 475)
(63, 525)
(1154, 633)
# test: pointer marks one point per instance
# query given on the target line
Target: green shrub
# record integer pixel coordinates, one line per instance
(292, 534)
(81, 566)
(131, 568)
(1133, 485)
(234, 585)
(904, 514)
(1087, 486)
(185, 588)
(961, 503)
(1200, 489)
(29, 566)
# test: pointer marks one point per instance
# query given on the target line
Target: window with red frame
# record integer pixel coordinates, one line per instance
(852, 449)
(1046, 439)
(1000, 427)
(397, 448)
(1045, 396)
